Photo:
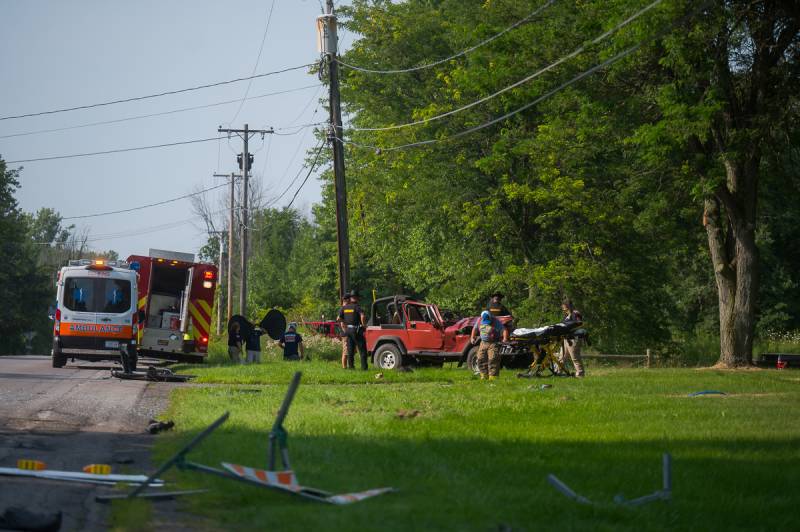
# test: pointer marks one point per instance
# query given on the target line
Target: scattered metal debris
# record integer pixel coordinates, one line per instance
(707, 392)
(664, 494)
(152, 374)
(148, 495)
(155, 426)
(284, 480)
(78, 476)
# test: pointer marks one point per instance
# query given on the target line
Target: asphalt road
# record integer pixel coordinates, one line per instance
(69, 418)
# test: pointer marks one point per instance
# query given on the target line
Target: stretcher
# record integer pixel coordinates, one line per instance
(542, 343)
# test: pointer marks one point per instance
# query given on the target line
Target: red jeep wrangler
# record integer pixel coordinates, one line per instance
(403, 331)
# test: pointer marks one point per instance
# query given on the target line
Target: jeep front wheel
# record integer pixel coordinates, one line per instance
(388, 356)
(472, 359)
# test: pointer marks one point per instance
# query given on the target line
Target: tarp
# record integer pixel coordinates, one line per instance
(274, 322)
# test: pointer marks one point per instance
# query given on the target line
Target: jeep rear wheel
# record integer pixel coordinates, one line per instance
(388, 356)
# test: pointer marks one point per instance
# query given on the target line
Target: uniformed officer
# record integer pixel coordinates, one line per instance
(496, 306)
(352, 319)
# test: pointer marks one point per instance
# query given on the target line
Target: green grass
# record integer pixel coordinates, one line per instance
(131, 515)
(477, 455)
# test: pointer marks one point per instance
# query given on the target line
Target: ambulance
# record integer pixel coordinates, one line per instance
(175, 302)
(96, 315)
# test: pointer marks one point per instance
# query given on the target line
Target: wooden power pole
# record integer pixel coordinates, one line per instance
(245, 160)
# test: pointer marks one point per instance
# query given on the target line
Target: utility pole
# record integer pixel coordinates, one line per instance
(229, 298)
(246, 159)
(326, 27)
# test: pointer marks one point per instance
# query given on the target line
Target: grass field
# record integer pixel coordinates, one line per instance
(476, 455)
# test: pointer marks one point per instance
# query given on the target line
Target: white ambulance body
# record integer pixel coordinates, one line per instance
(96, 314)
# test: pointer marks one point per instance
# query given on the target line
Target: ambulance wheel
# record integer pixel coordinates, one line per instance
(388, 356)
(59, 358)
(472, 359)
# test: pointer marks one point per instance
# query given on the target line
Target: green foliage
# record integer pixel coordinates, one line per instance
(25, 290)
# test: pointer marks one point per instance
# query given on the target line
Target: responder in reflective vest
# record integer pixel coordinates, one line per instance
(491, 332)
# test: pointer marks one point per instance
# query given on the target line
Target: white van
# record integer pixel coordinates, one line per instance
(96, 315)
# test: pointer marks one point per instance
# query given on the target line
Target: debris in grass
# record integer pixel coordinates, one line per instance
(379, 375)
(707, 392)
(157, 426)
(402, 414)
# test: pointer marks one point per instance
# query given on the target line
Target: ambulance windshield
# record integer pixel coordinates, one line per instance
(84, 294)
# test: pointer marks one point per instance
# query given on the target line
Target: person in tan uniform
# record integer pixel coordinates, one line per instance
(571, 349)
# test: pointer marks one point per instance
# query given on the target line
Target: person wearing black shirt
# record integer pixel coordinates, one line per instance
(253, 346)
(234, 342)
(352, 320)
(292, 342)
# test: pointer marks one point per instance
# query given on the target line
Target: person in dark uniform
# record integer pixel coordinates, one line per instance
(292, 344)
(352, 319)
(496, 306)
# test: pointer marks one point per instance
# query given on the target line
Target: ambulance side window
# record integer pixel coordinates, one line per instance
(79, 294)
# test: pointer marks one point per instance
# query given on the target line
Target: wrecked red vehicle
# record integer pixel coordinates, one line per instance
(403, 331)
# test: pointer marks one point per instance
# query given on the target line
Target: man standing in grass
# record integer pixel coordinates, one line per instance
(253, 346)
(291, 342)
(352, 319)
(571, 349)
(491, 331)
(234, 342)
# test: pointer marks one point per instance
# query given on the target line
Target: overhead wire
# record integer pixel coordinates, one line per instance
(522, 81)
(454, 56)
(147, 206)
(158, 94)
(106, 152)
(528, 105)
(316, 159)
(255, 66)
(151, 115)
(310, 170)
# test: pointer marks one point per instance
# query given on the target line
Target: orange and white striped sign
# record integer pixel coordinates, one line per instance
(286, 480)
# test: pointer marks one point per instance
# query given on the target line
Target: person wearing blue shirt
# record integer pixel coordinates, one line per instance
(491, 332)
(292, 344)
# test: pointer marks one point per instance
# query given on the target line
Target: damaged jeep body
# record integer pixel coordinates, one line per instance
(403, 331)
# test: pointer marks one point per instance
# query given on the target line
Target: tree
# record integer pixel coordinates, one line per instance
(726, 96)
(24, 286)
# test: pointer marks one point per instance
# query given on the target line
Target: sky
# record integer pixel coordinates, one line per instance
(56, 54)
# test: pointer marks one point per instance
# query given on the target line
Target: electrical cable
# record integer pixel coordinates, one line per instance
(548, 94)
(316, 158)
(296, 192)
(157, 95)
(119, 150)
(145, 206)
(151, 115)
(255, 66)
(296, 151)
(454, 56)
(524, 80)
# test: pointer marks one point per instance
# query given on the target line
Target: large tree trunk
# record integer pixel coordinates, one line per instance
(730, 226)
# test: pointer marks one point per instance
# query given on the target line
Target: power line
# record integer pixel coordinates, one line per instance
(151, 115)
(255, 66)
(119, 150)
(296, 192)
(316, 158)
(454, 56)
(159, 94)
(524, 80)
(199, 192)
(528, 105)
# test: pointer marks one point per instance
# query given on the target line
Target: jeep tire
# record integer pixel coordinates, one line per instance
(388, 356)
